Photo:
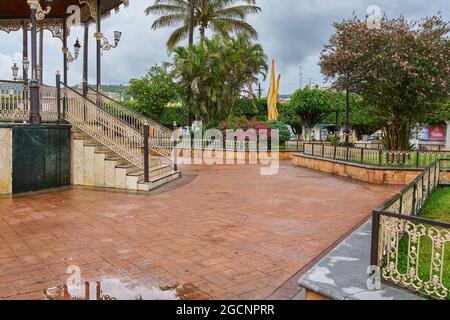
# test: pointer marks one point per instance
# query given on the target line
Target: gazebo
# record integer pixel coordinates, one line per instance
(55, 136)
(56, 16)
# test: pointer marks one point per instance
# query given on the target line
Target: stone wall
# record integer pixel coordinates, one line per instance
(358, 172)
(243, 156)
(5, 160)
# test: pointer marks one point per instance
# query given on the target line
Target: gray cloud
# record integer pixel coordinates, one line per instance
(292, 32)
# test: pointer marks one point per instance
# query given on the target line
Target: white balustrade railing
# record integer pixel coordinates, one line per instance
(104, 127)
(14, 101)
(160, 137)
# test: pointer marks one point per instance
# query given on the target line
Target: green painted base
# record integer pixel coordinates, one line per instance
(41, 156)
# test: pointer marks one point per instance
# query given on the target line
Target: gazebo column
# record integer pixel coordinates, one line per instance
(65, 51)
(98, 37)
(41, 55)
(25, 50)
(85, 59)
(35, 114)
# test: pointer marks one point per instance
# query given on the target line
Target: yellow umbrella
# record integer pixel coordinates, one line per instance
(272, 96)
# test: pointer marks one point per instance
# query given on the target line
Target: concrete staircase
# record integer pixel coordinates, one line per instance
(94, 165)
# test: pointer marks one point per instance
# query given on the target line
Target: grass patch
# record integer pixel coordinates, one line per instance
(437, 206)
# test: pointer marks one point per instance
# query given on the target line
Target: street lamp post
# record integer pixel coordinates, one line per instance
(347, 118)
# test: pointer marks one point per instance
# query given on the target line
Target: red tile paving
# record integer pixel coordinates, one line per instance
(224, 232)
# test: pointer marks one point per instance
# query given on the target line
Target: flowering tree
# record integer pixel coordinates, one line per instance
(401, 69)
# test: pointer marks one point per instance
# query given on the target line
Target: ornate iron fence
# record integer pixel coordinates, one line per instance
(376, 157)
(413, 252)
(15, 102)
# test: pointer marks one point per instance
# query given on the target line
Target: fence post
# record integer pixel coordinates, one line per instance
(414, 200)
(175, 152)
(146, 154)
(348, 151)
(380, 157)
(429, 182)
(362, 155)
(58, 96)
(417, 158)
(375, 238)
(323, 151)
(334, 152)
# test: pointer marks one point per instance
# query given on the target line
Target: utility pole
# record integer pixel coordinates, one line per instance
(259, 91)
(300, 76)
(347, 117)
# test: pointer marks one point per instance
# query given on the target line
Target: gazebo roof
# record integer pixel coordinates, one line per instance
(19, 9)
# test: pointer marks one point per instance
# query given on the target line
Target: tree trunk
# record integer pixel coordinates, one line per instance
(306, 133)
(397, 136)
(191, 21)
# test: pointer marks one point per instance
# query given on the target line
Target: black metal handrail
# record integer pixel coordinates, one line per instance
(375, 157)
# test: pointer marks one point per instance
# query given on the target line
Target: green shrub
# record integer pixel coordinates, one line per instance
(171, 115)
(283, 130)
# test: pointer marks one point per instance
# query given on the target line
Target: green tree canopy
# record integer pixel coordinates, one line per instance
(363, 117)
(153, 92)
(401, 69)
(223, 17)
(440, 115)
(313, 105)
(215, 75)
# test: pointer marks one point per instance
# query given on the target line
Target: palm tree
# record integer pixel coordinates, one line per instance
(220, 16)
(192, 4)
(215, 74)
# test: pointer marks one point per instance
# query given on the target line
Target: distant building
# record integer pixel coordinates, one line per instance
(432, 137)
(116, 96)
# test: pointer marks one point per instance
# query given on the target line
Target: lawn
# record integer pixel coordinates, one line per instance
(436, 208)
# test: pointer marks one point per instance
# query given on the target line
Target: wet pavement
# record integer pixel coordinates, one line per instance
(222, 232)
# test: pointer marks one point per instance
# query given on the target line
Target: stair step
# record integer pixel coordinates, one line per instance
(102, 152)
(161, 177)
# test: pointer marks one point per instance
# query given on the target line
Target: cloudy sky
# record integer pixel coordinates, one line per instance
(291, 31)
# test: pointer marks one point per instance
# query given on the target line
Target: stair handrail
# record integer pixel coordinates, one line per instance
(160, 137)
(104, 127)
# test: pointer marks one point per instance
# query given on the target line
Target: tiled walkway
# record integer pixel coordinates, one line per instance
(224, 232)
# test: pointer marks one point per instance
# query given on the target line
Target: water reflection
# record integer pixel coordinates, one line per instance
(113, 289)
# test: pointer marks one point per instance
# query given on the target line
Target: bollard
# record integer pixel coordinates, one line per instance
(146, 154)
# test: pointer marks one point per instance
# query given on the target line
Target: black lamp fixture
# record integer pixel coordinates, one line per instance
(77, 47)
(76, 52)
(105, 45)
(117, 37)
(15, 71)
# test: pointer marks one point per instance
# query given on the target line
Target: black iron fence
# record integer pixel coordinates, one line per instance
(413, 252)
(376, 157)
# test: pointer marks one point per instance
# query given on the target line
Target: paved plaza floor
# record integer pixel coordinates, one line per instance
(222, 232)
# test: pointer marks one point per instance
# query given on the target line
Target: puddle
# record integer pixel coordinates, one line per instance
(115, 289)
